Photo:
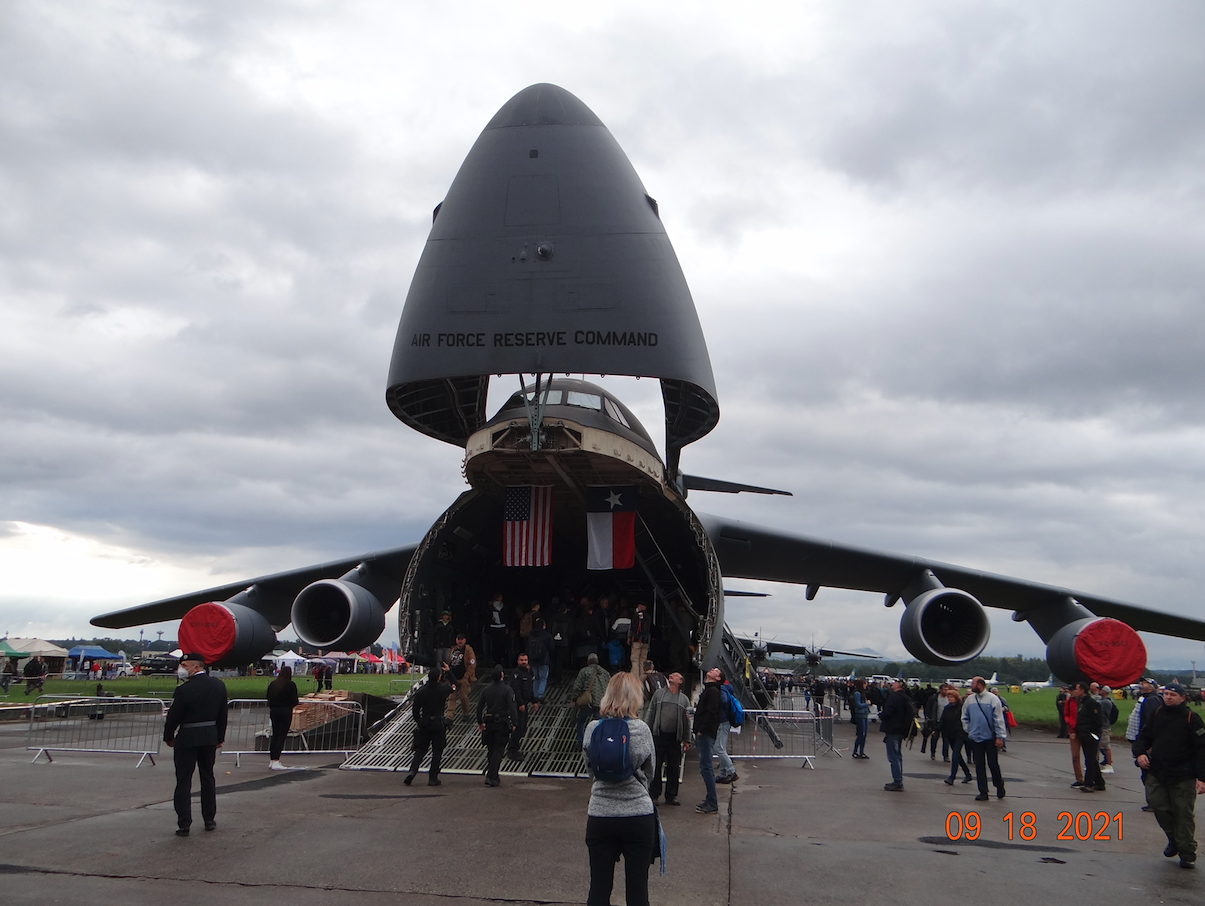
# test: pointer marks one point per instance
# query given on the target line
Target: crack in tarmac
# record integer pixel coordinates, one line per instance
(9, 869)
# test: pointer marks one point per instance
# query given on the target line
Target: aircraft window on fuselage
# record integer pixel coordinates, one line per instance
(551, 397)
(615, 413)
(585, 400)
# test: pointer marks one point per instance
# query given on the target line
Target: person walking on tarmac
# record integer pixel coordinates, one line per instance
(521, 681)
(194, 730)
(431, 730)
(1171, 749)
(497, 715)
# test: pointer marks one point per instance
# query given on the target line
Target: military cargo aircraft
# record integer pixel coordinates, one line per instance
(548, 259)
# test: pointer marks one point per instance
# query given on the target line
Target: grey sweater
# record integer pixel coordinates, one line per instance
(629, 797)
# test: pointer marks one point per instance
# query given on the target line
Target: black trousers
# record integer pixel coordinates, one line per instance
(986, 752)
(201, 759)
(1090, 746)
(495, 736)
(668, 756)
(434, 737)
(517, 734)
(281, 719)
(607, 839)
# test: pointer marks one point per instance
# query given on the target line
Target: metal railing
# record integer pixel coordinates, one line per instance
(783, 734)
(129, 726)
(319, 727)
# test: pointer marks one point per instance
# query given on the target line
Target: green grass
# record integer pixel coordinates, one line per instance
(236, 686)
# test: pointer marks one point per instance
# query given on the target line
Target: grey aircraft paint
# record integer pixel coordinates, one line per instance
(548, 257)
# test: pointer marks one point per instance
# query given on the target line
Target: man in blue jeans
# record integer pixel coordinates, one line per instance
(893, 722)
(706, 726)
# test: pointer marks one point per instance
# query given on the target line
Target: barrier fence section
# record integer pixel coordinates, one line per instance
(319, 727)
(783, 734)
(128, 726)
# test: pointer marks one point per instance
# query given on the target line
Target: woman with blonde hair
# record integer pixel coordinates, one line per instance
(956, 735)
(620, 818)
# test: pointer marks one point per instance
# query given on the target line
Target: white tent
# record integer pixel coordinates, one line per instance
(288, 659)
(40, 647)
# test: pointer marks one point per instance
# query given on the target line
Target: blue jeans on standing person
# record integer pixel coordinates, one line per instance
(895, 756)
(705, 745)
(860, 727)
(725, 769)
(540, 683)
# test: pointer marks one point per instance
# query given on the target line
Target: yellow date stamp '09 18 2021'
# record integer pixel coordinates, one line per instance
(1072, 826)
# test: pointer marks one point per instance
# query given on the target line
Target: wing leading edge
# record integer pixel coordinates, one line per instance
(275, 593)
(754, 552)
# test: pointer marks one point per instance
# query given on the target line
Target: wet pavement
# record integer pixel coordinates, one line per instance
(95, 828)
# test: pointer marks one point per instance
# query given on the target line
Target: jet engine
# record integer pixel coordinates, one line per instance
(943, 626)
(345, 613)
(1083, 647)
(227, 633)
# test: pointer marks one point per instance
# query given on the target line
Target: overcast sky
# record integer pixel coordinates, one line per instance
(948, 258)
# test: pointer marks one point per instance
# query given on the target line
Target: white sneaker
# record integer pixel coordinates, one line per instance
(276, 766)
(1107, 769)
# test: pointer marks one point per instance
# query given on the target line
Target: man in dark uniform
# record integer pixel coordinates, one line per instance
(195, 730)
(521, 682)
(497, 715)
(430, 728)
(443, 637)
(1171, 749)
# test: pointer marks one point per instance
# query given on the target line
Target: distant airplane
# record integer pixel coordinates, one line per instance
(1031, 686)
(548, 257)
(760, 649)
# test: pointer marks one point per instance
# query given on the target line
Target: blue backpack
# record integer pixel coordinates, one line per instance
(610, 753)
(736, 714)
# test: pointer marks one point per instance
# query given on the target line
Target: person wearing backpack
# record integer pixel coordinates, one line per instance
(709, 712)
(620, 819)
(589, 686)
(731, 708)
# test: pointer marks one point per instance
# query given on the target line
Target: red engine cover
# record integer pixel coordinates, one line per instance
(1110, 653)
(209, 629)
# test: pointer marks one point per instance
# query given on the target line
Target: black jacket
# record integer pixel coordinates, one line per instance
(1174, 740)
(896, 714)
(1087, 717)
(197, 716)
(709, 712)
(497, 703)
(520, 681)
(428, 703)
(951, 723)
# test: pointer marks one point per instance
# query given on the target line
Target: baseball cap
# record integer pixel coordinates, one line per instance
(1174, 687)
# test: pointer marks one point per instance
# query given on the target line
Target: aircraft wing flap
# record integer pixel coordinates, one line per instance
(279, 590)
(753, 552)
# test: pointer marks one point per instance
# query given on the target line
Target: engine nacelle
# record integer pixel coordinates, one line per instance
(944, 627)
(1099, 650)
(337, 614)
(228, 634)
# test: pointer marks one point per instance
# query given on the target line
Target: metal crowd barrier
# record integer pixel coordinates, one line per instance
(783, 734)
(319, 727)
(130, 726)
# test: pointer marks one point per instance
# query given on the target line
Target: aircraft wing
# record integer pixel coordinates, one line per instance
(277, 590)
(753, 552)
(803, 650)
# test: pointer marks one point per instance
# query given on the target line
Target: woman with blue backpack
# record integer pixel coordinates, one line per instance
(621, 818)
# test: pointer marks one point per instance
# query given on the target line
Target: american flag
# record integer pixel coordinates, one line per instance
(527, 532)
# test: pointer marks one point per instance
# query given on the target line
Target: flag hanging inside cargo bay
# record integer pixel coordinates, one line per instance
(527, 531)
(611, 527)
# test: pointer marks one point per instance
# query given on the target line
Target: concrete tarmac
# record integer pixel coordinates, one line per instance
(97, 829)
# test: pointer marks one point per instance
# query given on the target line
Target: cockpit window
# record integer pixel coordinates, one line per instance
(585, 400)
(615, 413)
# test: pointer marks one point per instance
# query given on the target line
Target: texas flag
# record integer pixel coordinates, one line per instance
(611, 527)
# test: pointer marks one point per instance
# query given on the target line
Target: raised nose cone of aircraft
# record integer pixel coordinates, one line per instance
(547, 256)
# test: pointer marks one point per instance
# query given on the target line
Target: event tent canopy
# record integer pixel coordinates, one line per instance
(93, 653)
(7, 650)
